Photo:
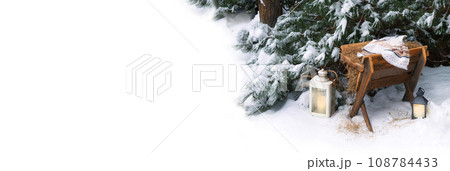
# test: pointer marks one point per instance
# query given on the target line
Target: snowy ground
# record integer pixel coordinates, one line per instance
(64, 104)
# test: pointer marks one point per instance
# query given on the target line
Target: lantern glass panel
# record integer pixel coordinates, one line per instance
(419, 110)
(319, 100)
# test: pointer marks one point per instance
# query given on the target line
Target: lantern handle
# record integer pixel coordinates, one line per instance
(420, 91)
(335, 79)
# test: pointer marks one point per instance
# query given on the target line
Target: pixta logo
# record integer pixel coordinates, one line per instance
(148, 77)
(220, 75)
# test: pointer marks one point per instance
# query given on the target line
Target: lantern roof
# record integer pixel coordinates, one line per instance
(420, 99)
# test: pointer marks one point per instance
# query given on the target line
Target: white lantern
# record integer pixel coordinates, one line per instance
(322, 95)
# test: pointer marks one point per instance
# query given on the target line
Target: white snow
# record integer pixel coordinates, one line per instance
(381, 2)
(390, 15)
(320, 57)
(335, 52)
(348, 4)
(64, 105)
(429, 20)
(310, 53)
(262, 2)
(297, 68)
(365, 28)
(343, 24)
(265, 59)
(426, 20)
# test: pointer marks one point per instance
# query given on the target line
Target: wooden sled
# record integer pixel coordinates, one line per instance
(375, 72)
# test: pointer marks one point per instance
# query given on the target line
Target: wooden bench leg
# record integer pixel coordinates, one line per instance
(366, 117)
(366, 76)
(409, 96)
(363, 86)
(411, 84)
(359, 99)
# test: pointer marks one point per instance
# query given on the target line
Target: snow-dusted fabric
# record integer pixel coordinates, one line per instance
(392, 49)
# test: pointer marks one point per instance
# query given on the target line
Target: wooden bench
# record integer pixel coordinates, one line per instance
(375, 72)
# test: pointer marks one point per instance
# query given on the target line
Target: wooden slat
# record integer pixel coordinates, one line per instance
(387, 72)
(344, 47)
(346, 60)
(415, 52)
(358, 80)
(378, 60)
(380, 63)
(411, 66)
(387, 81)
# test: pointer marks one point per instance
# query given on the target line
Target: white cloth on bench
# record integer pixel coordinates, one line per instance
(392, 49)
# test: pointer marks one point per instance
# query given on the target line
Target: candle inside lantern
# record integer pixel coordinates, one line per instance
(419, 110)
(321, 104)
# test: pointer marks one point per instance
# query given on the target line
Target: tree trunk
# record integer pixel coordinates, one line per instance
(269, 11)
